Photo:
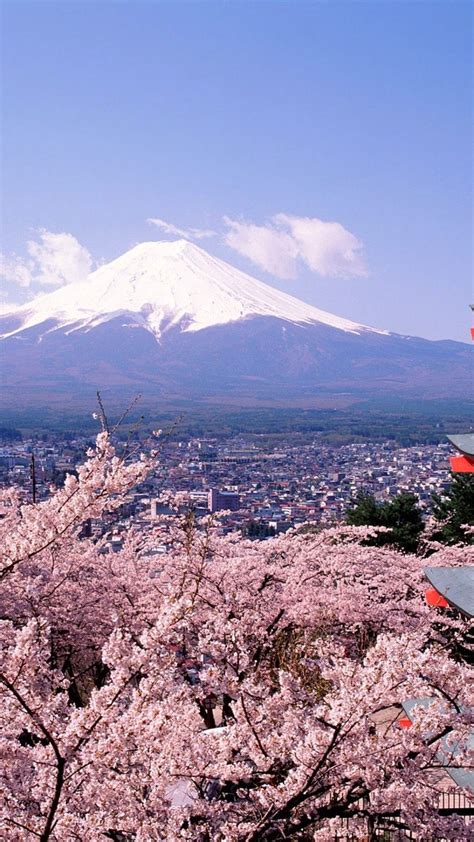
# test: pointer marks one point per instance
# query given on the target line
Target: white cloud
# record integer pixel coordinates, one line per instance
(15, 269)
(285, 242)
(267, 246)
(187, 233)
(54, 260)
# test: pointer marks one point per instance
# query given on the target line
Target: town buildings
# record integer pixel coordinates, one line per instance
(272, 486)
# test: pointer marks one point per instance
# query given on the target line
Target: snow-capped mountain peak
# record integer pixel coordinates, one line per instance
(158, 285)
(171, 322)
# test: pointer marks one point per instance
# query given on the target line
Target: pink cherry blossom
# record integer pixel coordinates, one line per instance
(244, 691)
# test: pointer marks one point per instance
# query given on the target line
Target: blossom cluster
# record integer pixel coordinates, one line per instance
(239, 691)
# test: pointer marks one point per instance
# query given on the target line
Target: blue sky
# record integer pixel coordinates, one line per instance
(356, 113)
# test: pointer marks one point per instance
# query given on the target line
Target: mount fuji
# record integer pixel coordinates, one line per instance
(170, 321)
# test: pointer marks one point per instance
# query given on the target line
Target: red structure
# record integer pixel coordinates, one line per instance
(435, 599)
(453, 588)
(464, 463)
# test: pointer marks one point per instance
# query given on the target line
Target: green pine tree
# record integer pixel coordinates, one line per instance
(454, 510)
(401, 515)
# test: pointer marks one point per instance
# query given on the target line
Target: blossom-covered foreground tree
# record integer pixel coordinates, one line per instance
(239, 691)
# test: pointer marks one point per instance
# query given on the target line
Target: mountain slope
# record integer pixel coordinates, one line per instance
(172, 322)
(166, 284)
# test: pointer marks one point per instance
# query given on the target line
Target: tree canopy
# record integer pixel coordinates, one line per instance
(230, 690)
(454, 511)
(401, 517)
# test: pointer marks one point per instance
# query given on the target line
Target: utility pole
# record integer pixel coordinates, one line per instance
(33, 476)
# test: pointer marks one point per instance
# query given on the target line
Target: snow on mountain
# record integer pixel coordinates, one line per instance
(171, 322)
(164, 284)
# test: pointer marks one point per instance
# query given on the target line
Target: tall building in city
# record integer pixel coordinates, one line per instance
(218, 501)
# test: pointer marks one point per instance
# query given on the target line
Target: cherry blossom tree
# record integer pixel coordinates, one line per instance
(231, 690)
